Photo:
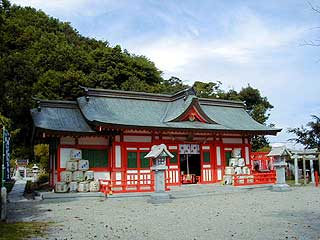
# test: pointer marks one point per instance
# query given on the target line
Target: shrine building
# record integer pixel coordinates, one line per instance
(115, 130)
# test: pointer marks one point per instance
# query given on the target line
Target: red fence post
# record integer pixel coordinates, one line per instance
(316, 178)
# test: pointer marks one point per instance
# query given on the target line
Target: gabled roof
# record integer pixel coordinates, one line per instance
(159, 151)
(279, 151)
(121, 109)
(178, 109)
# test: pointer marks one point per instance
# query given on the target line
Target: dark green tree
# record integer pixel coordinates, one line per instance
(308, 136)
(257, 106)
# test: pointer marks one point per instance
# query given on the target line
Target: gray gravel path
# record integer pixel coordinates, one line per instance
(245, 214)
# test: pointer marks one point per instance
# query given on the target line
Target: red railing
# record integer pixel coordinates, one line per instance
(139, 182)
(172, 177)
(133, 182)
(264, 160)
(256, 178)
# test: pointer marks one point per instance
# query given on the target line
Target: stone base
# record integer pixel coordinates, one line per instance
(160, 197)
(281, 188)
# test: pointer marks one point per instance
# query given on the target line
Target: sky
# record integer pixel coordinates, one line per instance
(237, 42)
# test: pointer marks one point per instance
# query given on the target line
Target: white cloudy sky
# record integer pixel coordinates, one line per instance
(237, 42)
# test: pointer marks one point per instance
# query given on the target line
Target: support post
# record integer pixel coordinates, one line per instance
(296, 170)
(304, 170)
(1, 176)
(2, 159)
(312, 171)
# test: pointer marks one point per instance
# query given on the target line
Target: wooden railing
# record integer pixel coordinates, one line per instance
(172, 177)
(133, 182)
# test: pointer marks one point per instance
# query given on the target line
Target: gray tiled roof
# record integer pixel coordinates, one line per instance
(62, 116)
(142, 110)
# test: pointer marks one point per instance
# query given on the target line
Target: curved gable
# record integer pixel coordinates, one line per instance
(187, 109)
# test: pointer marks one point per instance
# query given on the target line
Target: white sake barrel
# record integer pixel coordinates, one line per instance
(250, 179)
(94, 186)
(75, 154)
(83, 187)
(88, 175)
(246, 170)
(227, 179)
(83, 165)
(233, 162)
(72, 166)
(241, 162)
(77, 176)
(236, 152)
(238, 170)
(61, 187)
(73, 186)
(66, 176)
(229, 170)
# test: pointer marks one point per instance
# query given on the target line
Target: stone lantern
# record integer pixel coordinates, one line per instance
(158, 155)
(35, 171)
(280, 154)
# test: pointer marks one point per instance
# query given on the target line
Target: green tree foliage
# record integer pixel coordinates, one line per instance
(308, 136)
(41, 154)
(207, 90)
(170, 86)
(257, 106)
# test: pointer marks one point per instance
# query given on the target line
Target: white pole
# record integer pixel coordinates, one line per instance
(296, 171)
(304, 170)
(312, 171)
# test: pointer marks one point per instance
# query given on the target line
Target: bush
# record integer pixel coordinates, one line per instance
(29, 187)
(43, 178)
(9, 185)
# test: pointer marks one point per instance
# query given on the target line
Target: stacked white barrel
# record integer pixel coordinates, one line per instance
(77, 177)
(236, 167)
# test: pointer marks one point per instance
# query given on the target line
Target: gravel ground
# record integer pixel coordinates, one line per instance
(245, 214)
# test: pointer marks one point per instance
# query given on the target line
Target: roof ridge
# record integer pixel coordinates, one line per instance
(100, 92)
(56, 103)
(221, 102)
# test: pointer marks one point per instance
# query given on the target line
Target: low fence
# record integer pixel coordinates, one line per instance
(253, 179)
(133, 182)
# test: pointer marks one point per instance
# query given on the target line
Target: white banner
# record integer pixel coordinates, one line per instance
(189, 149)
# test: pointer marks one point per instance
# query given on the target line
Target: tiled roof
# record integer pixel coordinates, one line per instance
(143, 110)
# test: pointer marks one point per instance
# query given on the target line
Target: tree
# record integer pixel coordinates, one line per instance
(207, 90)
(257, 106)
(308, 136)
(41, 154)
(170, 86)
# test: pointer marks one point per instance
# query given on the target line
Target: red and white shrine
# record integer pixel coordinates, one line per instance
(116, 129)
